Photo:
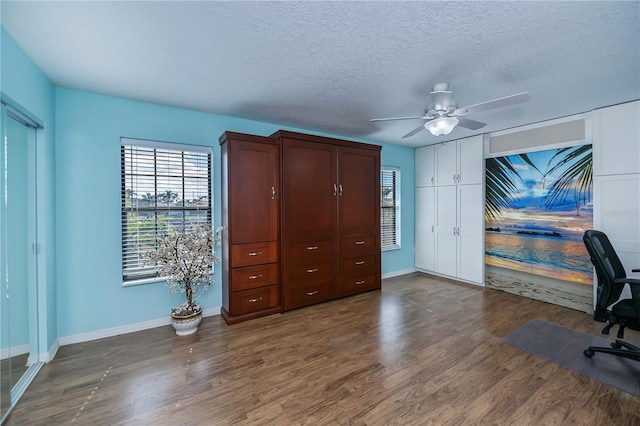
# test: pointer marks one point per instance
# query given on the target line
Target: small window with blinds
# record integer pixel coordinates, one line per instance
(390, 207)
(164, 186)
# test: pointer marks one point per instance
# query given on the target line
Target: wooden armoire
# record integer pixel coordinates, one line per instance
(250, 170)
(327, 237)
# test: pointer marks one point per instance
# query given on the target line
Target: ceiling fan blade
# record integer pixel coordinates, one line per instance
(470, 124)
(414, 131)
(400, 118)
(496, 103)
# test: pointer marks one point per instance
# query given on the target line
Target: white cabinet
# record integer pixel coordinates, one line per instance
(460, 161)
(425, 228)
(616, 139)
(450, 209)
(425, 164)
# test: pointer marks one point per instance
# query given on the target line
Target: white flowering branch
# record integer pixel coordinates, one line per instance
(186, 257)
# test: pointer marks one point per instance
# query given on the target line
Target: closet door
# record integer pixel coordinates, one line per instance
(425, 228)
(358, 219)
(446, 230)
(309, 222)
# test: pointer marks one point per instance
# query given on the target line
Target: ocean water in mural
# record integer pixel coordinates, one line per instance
(537, 209)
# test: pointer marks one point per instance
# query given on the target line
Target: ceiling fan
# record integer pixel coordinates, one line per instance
(443, 114)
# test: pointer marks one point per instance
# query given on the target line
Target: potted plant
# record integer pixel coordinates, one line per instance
(185, 257)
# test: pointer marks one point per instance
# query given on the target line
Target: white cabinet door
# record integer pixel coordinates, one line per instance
(425, 228)
(470, 233)
(470, 160)
(446, 163)
(446, 224)
(616, 139)
(425, 166)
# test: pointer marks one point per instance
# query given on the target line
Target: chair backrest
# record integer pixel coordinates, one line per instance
(608, 267)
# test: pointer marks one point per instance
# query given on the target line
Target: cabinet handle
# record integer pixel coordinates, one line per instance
(432, 228)
(454, 178)
(432, 180)
(312, 293)
(311, 271)
(458, 178)
(360, 282)
(454, 230)
(335, 189)
(255, 277)
(359, 262)
(359, 243)
(273, 192)
(312, 248)
(257, 299)
(340, 190)
(255, 253)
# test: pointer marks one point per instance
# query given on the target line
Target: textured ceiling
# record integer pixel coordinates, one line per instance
(332, 66)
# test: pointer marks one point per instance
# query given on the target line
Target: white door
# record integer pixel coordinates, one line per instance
(470, 160)
(446, 163)
(425, 166)
(470, 233)
(446, 225)
(425, 228)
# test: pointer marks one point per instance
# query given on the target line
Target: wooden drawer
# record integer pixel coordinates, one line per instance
(253, 254)
(359, 265)
(300, 275)
(310, 252)
(253, 300)
(308, 295)
(357, 284)
(254, 276)
(358, 246)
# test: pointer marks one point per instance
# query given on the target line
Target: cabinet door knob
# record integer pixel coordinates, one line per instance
(312, 293)
(432, 179)
(273, 192)
(335, 189)
(311, 271)
(340, 189)
(454, 178)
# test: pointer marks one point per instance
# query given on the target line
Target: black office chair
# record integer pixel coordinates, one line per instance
(611, 281)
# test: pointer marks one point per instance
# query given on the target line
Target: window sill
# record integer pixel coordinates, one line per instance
(393, 247)
(143, 281)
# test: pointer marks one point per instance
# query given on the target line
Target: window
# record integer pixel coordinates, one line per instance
(390, 207)
(163, 186)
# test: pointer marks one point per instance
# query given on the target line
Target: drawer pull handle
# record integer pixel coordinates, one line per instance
(257, 299)
(311, 271)
(255, 277)
(359, 262)
(360, 282)
(255, 253)
(359, 243)
(312, 248)
(312, 293)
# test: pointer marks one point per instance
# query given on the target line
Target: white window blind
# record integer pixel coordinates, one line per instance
(163, 187)
(390, 207)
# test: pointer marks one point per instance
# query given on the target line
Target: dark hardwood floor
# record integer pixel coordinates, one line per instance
(422, 351)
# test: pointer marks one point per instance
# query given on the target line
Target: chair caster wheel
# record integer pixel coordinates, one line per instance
(588, 353)
(616, 345)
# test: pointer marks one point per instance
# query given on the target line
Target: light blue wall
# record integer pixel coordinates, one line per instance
(89, 128)
(25, 84)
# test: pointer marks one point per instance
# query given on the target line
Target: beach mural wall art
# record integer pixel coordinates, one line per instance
(538, 205)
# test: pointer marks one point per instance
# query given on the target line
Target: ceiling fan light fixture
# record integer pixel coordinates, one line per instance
(441, 126)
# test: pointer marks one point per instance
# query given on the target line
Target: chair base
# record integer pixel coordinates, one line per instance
(618, 348)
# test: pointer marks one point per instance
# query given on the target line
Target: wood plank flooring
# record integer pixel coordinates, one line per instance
(422, 351)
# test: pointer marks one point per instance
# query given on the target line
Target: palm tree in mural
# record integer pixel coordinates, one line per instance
(501, 186)
(577, 179)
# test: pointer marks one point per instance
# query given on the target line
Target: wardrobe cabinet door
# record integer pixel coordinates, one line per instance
(253, 192)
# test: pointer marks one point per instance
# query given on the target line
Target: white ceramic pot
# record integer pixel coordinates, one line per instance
(185, 326)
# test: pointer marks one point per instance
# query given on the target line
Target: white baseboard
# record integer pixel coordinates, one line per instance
(14, 350)
(124, 329)
(398, 273)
